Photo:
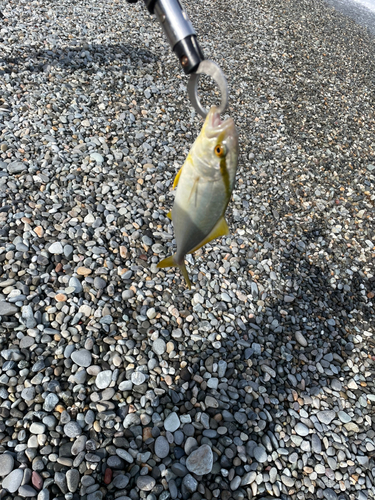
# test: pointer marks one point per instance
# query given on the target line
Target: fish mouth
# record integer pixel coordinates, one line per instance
(216, 125)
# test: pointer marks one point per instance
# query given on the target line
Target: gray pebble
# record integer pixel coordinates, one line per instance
(260, 454)
(81, 357)
(200, 461)
(146, 483)
(301, 339)
(72, 479)
(12, 481)
(6, 464)
(56, 248)
(158, 346)
(103, 379)
(161, 447)
(7, 309)
(72, 429)
(301, 429)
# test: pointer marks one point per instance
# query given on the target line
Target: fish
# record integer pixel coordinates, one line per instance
(204, 186)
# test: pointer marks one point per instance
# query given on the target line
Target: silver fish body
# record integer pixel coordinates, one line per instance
(204, 187)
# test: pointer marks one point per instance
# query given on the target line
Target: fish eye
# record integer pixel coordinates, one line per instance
(220, 150)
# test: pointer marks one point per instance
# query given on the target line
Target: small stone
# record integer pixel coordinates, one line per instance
(189, 484)
(289, 298)
(36, 480)
(352, 385)
(99, 283)
(37, 428)
(221, 368)
(352, 427)
(125, 455)
(16, 167)
(316, 444)
(13, 481)
(161, 447)
(103, 379)
(301, 339)
(6, 464)
(211, 402)
(288, 481)
(121, 481)
(7, 309)
(336, 385)
(82, 357)
(72, 429)
(329, 494)
(344, 417)
(76, 284)
(248, 478)
(97, 157)
(301, 429)
(145, 483)
(158, 346)
(72, 479)
(28, 316)
(28, 394)
(260, 454)
(56, 248)
(50, 402)
(83, 271)
(26, 491)
(172, 422)
(326, 417)
(61, 297)
(200, 461)
(137, 378)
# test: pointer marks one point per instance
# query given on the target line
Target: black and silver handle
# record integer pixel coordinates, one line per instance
(183, 41)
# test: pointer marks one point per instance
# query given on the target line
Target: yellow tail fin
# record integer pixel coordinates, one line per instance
(170, 262)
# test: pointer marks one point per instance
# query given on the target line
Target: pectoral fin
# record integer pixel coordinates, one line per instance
(171, 262)
(221, 229)
(169, 214)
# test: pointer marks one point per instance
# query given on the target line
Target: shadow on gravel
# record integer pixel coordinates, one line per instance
(77, 57)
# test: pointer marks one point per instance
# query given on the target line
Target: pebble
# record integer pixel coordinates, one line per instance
(159, 346)
(326, 417)
(72, 479)
(260, 454)
(7, 309)
(6, 464)
(103, 379)
(82, 357)
(12, 481)
(72, 429)
(161, 447)
(172, 422)
(146, 483)
(301, 429)
(56, 248)
(200, 461)
(301, 339)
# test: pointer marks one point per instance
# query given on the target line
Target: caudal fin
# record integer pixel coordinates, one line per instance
(171, 262)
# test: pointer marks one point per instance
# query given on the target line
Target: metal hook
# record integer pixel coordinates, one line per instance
(211, 69)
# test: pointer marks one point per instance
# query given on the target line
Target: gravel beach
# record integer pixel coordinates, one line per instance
(116, 381)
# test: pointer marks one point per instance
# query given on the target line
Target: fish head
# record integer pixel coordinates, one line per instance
(218, 142)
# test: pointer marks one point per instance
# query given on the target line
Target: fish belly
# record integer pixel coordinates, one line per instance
(198, 206)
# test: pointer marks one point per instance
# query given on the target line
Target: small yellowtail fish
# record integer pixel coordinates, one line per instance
(204, 187)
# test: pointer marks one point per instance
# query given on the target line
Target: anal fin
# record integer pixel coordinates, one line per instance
(221, 229)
